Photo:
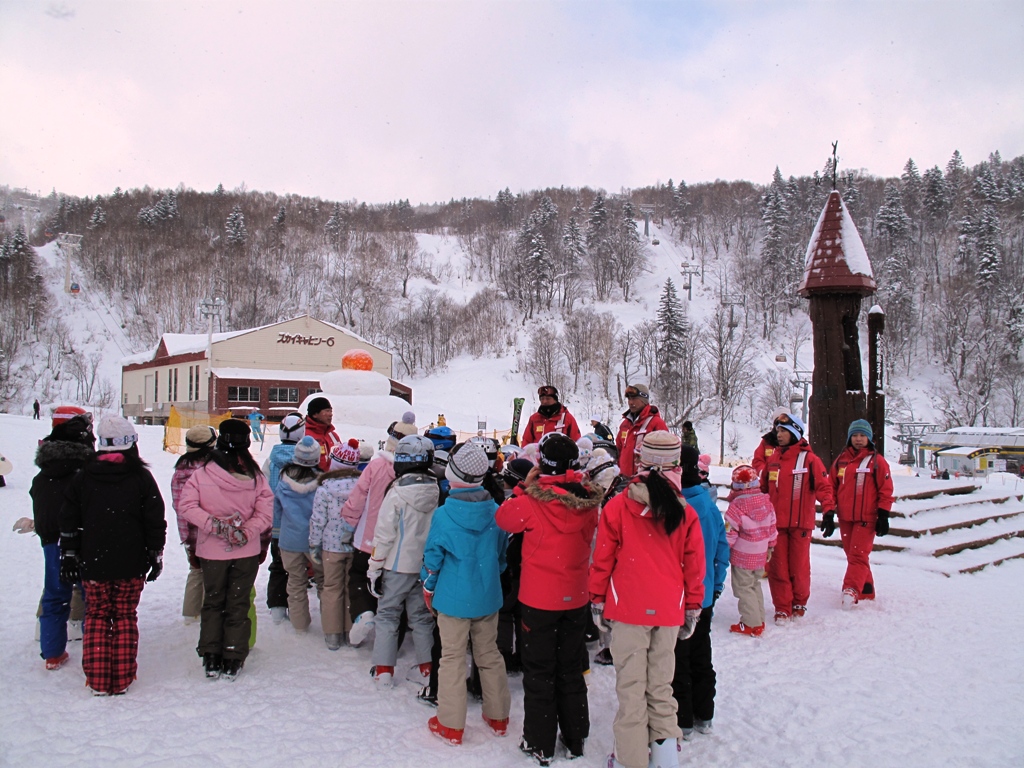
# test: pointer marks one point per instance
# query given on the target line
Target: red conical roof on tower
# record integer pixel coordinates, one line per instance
(836, 261)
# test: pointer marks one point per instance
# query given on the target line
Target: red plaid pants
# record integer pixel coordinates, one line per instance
(110, 637)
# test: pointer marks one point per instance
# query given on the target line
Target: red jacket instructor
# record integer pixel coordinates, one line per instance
(793, 477)
(551, 416)
(639, 420)
(319, 415)
(862, 484)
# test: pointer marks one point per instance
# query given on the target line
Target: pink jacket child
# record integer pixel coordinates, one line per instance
(214, 492)
(751, 533)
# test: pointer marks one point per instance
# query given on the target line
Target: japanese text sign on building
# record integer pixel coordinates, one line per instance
(298, 338)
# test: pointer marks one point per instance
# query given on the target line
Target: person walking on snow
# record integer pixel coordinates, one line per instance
(199, 442)
(551, 416)
(35, 410)
(862, 484)
(647, 582)
(793, 478)
(640, 419)
(256, 424)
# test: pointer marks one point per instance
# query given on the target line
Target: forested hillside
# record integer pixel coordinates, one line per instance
(543, 276)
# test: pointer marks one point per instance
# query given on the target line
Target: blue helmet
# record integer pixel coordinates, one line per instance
(442, 437)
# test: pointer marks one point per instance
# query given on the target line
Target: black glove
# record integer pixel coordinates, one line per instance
(70, 570)
(156, 564)
(828, 524)
(882, 523)
(714, 598)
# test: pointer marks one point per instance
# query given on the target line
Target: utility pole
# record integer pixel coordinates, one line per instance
(688, 271)
(803, 379)
(69, 245)
(210, 308)
(730, 300)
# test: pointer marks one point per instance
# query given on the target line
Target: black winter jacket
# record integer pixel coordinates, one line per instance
(58, 460)
(117, 513)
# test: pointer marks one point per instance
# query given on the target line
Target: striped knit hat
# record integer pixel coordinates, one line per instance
(660, 450)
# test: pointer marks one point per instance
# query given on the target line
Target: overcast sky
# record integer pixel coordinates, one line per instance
(432, 100)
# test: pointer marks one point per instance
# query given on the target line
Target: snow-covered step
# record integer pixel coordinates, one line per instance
(939, 521)
(911, 508)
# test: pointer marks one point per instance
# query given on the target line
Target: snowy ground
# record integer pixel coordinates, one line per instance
(933, 674)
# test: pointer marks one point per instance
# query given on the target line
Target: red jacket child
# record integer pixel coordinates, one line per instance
(558, 514)
(636, 571)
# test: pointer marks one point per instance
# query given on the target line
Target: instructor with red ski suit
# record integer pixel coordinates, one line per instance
(793, 478)
(551, 416)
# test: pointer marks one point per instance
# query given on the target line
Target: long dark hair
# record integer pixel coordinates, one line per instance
(300, 473)
(240, 462)
(196, 458)
(665, 503)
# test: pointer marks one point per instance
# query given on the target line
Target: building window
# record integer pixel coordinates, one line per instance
(156, 386)
(243, 394)
(283, 395)
(175, 398)
(190, 383)
(313, 391)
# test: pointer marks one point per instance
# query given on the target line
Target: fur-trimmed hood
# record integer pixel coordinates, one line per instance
(57, 458)
(574, 495)
(309, 486)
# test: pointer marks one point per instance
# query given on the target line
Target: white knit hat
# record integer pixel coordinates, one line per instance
(115, 433)
(660, 450)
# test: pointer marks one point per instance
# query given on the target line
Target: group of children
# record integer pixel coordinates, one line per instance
(520, 556)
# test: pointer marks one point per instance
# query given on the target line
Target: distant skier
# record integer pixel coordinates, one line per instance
(256, 424)
(35, 410)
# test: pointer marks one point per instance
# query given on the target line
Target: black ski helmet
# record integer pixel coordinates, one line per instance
(557, 453)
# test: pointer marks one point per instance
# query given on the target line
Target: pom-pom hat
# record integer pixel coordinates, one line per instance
(307, 452)
(346, 455)
(115, 433)
(745, 477)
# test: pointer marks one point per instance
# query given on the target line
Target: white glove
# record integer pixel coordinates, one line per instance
(373, 576)
(599, 619)
(25, 525)
(692, 617)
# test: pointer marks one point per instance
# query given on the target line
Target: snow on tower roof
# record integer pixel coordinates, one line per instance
(836, 261)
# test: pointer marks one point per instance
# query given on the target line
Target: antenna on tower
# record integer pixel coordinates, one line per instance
(835, 162)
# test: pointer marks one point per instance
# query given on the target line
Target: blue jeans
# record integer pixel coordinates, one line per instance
(53, 623)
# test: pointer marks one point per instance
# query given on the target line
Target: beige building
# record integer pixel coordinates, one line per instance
(272, 368)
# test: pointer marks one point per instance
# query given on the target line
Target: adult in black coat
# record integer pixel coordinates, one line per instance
(112, 533)
(59, 456)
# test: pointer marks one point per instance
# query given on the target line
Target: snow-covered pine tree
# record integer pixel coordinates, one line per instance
(673, 329)
(574, 251)
(989, 256)
(98, 218)
(237, 234)
(599, 247)
(628, 251)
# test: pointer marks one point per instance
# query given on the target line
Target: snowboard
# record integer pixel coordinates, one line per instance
(517, 411)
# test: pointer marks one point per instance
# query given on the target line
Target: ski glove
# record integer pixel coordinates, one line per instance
(882, 523)
(376, 583)
(828, 524)
(714, 598)
(70, 568)
(599, 619)
(768, 557)
(692, 616)
(156, 564)
(316, 553)
(235, 537)
(428, 598)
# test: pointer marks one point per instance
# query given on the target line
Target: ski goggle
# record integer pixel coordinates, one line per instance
(548, 392)
(110, 442)
(632, 392)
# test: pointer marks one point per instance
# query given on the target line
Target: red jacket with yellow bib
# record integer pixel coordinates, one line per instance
(862, 484)
(793, 478)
